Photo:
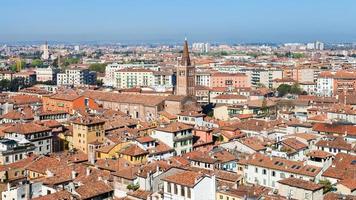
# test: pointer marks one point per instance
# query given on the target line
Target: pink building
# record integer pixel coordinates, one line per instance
(236, 80)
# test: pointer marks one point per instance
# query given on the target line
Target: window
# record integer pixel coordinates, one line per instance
(264, 171)
(175, 189)
(221, 197)
(182, 191)
(168, 187)
(256, 170)
(273, 173)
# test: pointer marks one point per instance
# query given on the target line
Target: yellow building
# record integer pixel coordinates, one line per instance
(134, 154)
(110, 151)
(87, 130)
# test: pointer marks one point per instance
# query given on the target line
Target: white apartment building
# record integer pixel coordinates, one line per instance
(163, 79)
(132, 77)
(189, 185)
(46, 74)
(325, 84)
(110, 79)
(267, 171)
(203, 78)
(176, 135)
(76, 77)
(13, 151)
(201, 47)
(38, 135)
(263, 76)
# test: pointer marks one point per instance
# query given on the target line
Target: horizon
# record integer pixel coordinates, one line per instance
(160, 21)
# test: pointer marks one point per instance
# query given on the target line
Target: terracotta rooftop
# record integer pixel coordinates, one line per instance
(26, 128)
(174, 127)
(281, 164)
(300, 183)
(93, 189)
(147, 100)
(186, 178)
(319, 154)
(88, 121)
(60, 195)
(133, 150)
(341, 129)
(343, 167)
(337, 142)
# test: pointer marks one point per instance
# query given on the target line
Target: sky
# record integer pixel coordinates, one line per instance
(232, 21)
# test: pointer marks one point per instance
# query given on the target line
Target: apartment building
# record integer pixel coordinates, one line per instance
(46, 74)
(189, 185)
(267, 171)
(40, 136)
(110, 69)
(176, 135)
(76, 77)
(86, 131)
(203, 78)
(263, 76)
(12, 150)
(325, 84)
(233, 80)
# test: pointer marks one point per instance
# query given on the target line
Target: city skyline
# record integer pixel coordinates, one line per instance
(161, 21)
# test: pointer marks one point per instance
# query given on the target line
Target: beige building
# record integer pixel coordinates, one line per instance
(300, 189)
(87, 131)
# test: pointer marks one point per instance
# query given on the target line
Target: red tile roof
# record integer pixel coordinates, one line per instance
(26, 128)
(300, 183)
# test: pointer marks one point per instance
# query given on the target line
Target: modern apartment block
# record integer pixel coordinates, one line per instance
(76, 77)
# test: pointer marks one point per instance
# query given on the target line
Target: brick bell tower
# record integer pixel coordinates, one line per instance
(185, 74)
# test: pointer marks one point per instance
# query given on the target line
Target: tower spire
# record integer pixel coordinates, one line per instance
(185, 57)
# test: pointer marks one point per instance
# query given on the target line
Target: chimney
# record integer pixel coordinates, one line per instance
(88, 171)
(74, 174)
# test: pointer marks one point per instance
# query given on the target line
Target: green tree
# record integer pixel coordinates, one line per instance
(70, 61)
(295, 89)
(4, 85)
(98, 67)
(133, 186)
(283, 89)
(327, 186)
(37, 63)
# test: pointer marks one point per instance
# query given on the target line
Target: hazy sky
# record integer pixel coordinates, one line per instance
(172, 20)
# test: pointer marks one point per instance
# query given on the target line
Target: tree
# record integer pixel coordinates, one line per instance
(295, 89)
(327, 186)
(133, 186)
(264, 107)
(4, 85)
(283, 89)
(37, 63)
(70, 61)
(98, 67)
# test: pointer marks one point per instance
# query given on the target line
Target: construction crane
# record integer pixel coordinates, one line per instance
(18, 63)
